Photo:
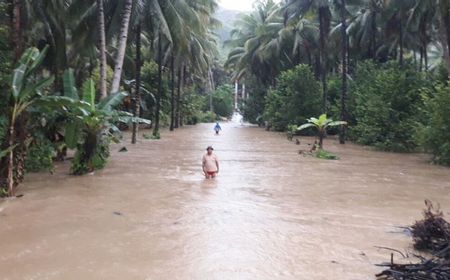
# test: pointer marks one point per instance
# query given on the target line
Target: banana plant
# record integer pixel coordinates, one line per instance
(90, 126)
(26, 89)
(321, 124)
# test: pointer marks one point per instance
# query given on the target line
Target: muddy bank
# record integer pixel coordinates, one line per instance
(271, 213)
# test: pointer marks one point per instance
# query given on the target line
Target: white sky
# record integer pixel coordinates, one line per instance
(239, 5)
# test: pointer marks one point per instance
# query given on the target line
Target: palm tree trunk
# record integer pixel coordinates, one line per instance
(421, 59)
(178, 99)
(16, 29)
(443, 33)
(323, 63)
(400, 42)
(102, 48)
(344, 50)
(373, 39)
(211, 89)
(185, 82)
(121, 46)
(137, 94)
(172, 93)
(10, 178)
(160, 89)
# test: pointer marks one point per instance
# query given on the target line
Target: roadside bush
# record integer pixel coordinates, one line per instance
(387, 105)
(207, 117)
(296, 97)
(252, 108)
(223, 101)
(434, 135)
(191, 106)
(40, 155)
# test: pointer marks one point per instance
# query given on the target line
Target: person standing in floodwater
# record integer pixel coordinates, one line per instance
(217, 128)
(210, 163)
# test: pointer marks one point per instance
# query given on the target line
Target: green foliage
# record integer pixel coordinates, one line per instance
(92, 154)
(253, 108)
(109, 75)
(150, 82)
(291, 131)
(154, 136)
(321, 124)
(334, 91)
(388, 105)
(296, 97)
(40, 155)
(191, 106)
(321, 153)
(223, 101)
(28, 88)
(207, 117)
(434, 135)
(90, 126)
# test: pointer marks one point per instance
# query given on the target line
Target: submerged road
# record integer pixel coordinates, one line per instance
(270, 214)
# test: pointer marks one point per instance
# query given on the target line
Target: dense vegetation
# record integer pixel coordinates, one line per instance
(381, 66)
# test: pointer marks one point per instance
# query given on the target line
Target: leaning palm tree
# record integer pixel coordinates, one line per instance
(321, 124)
(102, 47)
(122, 44)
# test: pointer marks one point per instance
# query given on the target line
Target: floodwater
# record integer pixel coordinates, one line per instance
(270, 214)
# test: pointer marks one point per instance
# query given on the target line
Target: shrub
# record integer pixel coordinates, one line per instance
(191, 106)
(207, 117)
(40, 155)
(296, 97)
(434, 135)
(223, 101)
(321, 153)
(91, 155)
(253, 107)
(387, 105)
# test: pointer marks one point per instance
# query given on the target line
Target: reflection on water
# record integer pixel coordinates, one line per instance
(270, 213)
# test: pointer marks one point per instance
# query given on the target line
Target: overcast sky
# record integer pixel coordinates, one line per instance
(239, 5)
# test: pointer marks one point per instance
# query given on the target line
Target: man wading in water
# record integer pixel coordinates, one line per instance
(210, 163)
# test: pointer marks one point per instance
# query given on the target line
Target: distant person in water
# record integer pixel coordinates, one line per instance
(217, 128)
(210, 163)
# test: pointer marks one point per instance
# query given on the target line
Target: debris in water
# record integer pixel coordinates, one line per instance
(123, 149)
(432, 235)
(117, 213)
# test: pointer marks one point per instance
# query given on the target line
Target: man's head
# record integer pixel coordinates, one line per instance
(209, 150)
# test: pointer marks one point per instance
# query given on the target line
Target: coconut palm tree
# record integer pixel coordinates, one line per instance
(300, 8)
(102, 47)
(256, 44)
(122, 44)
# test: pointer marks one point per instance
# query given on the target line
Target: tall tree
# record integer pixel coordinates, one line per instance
(172, 92)
(137, 91)
(16, 28)
(122, 44)
(102, 48)
(344, 52)
(444, 32)
(160, 87)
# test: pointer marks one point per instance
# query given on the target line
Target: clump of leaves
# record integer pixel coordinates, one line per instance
(156, 136)
(321, 153)
(291, 130)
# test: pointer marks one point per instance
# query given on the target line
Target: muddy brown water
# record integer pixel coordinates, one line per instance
(270, 214)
